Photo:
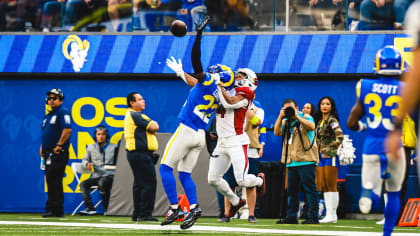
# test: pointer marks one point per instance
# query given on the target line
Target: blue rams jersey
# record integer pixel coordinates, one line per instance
(200, 105)
(381, 102)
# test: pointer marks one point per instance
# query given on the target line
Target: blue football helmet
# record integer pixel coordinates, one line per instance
(227, 78)
(389, 61)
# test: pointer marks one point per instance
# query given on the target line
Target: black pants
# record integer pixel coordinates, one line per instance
(54, 174)
(104, 183)
(144, 186)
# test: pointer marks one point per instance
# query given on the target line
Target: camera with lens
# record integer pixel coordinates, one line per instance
(289, 112)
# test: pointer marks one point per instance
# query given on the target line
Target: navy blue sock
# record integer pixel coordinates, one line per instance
(169, 183)
(189, 187)
(392, 209)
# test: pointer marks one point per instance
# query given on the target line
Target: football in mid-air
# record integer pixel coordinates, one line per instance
(178, 28)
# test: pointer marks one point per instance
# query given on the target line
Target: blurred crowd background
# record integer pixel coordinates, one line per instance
(226, 15)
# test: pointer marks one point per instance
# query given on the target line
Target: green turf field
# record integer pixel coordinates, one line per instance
(34, 224)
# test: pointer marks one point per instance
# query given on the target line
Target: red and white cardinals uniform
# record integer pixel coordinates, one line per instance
(232, 146)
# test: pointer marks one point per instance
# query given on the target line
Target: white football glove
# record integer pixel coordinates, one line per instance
(346, 151)
(216, 78)
(176, 67)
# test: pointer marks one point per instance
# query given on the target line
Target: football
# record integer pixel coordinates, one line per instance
(178, 28)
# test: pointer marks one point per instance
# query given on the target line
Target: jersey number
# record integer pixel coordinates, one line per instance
(200, 110)
(376, 102)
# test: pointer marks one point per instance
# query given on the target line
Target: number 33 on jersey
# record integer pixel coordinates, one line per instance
(381, 102)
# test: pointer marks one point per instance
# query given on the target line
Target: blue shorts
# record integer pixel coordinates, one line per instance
(253, 169)
(333, 161)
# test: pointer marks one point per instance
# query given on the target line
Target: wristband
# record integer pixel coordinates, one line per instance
(362, 126)
(59, 145)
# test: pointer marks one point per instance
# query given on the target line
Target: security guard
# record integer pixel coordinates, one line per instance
(140, 137)
(56, 130)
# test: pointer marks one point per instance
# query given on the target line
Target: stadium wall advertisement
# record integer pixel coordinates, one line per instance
(320, 53)
(94, 102)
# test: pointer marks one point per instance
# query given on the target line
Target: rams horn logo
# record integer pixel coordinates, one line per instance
(78, 51)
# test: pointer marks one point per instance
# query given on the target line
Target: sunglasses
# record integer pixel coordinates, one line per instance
(52, 98)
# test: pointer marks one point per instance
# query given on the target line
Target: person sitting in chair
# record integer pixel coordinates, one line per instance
(98, 156)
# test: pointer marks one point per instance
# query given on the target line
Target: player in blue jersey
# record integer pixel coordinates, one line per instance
(184, 147)
(379, 100)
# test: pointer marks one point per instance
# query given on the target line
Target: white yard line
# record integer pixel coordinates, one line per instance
(203, 228)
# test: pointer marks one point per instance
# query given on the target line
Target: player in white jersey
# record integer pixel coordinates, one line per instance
(232, 145)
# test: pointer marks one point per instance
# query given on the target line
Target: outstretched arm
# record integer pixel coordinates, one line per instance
(196, 53)
(229, 104)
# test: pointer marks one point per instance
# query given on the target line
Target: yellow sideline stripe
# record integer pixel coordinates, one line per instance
(170, 144)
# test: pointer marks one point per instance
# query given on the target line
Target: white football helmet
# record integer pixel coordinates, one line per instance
(250, 80)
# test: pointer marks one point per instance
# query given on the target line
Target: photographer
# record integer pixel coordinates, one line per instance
(300, 154)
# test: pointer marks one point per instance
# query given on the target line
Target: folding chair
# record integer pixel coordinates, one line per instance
(79, 169)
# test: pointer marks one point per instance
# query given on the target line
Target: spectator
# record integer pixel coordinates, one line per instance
(382, 14)
(329, 136)
(353, 13)
(300, 154)
(98, 157)
(113, 11)
(195, 8)
(56, 131)
(78, 9)
(140, 137)
(52, 14)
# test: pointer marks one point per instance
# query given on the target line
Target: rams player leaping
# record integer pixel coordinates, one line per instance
(183, 148)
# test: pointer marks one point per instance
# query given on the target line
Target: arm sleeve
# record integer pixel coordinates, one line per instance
(196, 54)
(226, 105)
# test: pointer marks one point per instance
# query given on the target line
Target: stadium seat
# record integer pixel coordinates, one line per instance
(79, 169)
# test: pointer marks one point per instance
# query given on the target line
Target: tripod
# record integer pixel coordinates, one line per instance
(286, 137)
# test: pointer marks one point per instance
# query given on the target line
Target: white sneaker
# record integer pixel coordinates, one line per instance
(328, 219)
(365, 205)
(381, 222)
(88, 212)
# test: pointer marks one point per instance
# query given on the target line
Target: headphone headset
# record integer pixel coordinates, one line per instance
(99, 128)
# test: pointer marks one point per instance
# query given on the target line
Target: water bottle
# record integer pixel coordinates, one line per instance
(42, 167)
(48, 161)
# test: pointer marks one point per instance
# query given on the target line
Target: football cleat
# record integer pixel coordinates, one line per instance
(173, 215)
(234, 209)
(191, 218)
